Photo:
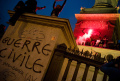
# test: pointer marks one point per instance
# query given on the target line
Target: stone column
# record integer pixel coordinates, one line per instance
(118, 24)
(112, 2)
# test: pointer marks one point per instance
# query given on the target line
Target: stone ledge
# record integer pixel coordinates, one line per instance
(107, 16)
(56, 22)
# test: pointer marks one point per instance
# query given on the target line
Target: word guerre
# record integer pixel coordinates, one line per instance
(25, 59)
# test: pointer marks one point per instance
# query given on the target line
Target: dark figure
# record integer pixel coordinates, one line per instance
(31, 6)
(2, 30)
(105, 41)
(112, 69)
(119, 44)
(57, 9)
(20, 8)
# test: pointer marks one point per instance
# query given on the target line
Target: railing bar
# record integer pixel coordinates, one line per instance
(104, 77)
(95, 74)
(85, 60)
(85, 72)
(76, 71)
(66, 70)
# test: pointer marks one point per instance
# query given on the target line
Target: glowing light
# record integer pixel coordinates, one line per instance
(81, 8)
(117, 7)
(82, 39)
(89, 33)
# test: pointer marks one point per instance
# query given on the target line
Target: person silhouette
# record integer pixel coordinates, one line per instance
(112, 69)
(2, 30)
(57, 9)
(20, 8)
(32, 6)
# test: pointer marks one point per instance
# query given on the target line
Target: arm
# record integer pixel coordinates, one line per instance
(63, 4)
(39, 8)
(54, 4)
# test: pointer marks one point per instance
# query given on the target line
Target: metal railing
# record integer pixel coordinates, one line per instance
(61, 53)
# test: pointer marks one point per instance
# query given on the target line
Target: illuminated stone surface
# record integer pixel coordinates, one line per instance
(26, 48)
(112, 2)
(102, 6)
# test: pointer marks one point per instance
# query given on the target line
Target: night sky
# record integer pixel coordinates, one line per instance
(71, 8)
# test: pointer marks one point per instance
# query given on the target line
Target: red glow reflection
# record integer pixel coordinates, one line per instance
(94, 24)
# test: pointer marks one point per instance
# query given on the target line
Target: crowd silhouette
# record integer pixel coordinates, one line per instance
(30, 6)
